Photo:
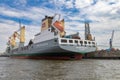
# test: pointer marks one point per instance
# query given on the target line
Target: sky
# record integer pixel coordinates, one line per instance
(103, 16)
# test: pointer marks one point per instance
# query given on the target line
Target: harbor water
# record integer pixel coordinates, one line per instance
(85, 69)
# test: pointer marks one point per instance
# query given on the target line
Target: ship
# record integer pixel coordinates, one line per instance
(51, 42)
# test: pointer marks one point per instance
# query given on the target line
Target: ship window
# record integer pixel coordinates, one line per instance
(85, 43)
(81, 42)
(70, 41)
(93, 42)
(89, 42)
(76, 41)
(64, 40)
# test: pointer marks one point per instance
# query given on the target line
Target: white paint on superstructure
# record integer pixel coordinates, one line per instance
(44, 35)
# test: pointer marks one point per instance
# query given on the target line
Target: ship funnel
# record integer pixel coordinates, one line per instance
(46, 23)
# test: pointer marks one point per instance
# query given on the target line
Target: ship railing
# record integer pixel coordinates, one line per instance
(78, 42)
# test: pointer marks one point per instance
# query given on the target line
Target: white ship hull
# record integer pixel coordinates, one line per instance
(54, 47)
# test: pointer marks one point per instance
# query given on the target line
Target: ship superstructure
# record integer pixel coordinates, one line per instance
(51, 42)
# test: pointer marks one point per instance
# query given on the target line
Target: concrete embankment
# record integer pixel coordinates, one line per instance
(103, 54)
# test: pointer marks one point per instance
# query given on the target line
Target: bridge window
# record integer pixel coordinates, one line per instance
(70, 41)
(76, 41)
(64, 40)
(81, 42)
(89, 42)
(85, 42)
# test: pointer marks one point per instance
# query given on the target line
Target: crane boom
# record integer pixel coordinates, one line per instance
(112, 35)
(111, 39)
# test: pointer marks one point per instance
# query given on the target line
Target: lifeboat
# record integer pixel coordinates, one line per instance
(59, 26)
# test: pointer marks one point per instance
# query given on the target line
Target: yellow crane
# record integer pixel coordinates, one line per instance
(20, 36)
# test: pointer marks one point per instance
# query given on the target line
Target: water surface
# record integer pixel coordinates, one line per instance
(86, 69)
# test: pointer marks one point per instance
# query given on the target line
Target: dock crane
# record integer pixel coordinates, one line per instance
(19, 34)
(111, 40)
(88, 35)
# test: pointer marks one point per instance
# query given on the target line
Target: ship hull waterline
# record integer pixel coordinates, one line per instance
(57, 56)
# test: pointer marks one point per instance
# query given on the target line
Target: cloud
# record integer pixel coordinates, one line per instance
(33, 13)
(83, 3)
(20, 3)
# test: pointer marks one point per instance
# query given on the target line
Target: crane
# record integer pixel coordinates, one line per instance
(111, 40)
(20, 36)
(88, 35)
